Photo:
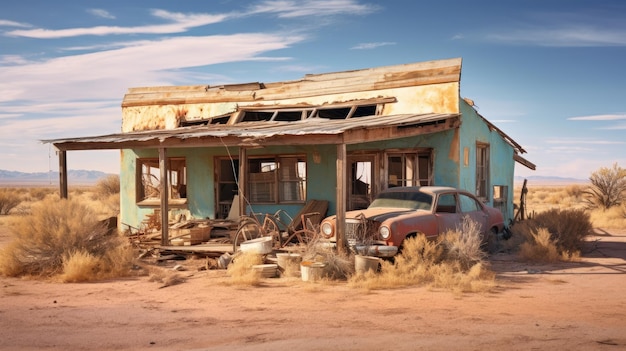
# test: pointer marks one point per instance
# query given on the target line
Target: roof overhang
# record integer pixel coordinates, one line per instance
(311, 131)
(519, 159)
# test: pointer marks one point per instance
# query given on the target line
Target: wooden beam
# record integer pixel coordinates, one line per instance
(341, 198)
(63, 174)
(163, 188)
(243, 168)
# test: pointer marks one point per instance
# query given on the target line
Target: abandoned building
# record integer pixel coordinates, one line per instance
(340, 137)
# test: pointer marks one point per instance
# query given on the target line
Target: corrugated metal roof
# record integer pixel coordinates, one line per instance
(255, 130)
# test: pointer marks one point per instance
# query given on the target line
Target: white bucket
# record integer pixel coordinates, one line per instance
(289, 263)
(312, 271)
(363, 264)
(261, 246)
(266, 270)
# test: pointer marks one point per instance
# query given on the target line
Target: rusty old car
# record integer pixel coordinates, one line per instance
(398, 213)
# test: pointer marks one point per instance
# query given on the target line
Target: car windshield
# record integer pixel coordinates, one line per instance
(413, 200)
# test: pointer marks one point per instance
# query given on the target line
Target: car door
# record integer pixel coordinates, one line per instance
(472, 208)
(447, 212)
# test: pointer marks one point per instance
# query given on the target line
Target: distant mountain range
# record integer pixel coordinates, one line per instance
(73, 176)
(550, 180)
(81, 176)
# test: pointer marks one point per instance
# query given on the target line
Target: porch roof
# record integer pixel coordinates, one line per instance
(309, 131)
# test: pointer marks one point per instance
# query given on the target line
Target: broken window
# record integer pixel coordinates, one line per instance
(482, 171)
(409, 168)
(280, 179)
(361, 187)
(223, 119)
(255, 116)
(149, 179)
(500, 198)
(338, 111)
(227, 185)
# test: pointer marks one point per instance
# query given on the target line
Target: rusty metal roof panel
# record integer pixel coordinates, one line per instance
(247, 130)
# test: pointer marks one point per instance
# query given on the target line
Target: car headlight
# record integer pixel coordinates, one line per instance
(384, 232)
(327, 230)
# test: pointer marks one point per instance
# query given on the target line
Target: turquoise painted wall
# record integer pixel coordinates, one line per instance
(502, 164)
(446, 169)
(201, 179)
(449, 169)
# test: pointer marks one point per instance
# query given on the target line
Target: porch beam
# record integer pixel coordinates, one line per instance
(163, 189)
(341, 198)
(243, 170)
(63, 174)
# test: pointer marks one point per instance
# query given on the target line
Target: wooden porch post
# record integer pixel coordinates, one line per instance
(163, 189)
(63, 173)
(243, 169)
(341, 198)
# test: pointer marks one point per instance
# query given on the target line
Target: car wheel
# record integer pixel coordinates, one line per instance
(491, 243)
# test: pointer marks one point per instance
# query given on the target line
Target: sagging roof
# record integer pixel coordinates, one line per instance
(404, 75)
(309, 131)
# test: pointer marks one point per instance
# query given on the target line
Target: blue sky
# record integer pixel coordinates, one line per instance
(551, 74)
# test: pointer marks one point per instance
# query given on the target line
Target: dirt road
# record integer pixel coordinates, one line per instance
(573, 306)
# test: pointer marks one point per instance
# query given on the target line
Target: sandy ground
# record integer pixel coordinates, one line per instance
(575, 306)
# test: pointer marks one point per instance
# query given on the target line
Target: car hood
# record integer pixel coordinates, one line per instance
(380, 214)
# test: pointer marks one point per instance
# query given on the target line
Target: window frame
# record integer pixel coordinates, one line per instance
(270, 186)
(482, 171)
(177, 181)
(414, 156)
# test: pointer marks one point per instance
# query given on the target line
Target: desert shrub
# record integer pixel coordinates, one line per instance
(339, 266)
(614, 217)
(464, 246)
(240, 269)
(567, 229)
(9, 199)
(60, 234)
(107, 186)
(454, 261)
(608, 187)
(575, 191)
(38, 194)
(540, 247)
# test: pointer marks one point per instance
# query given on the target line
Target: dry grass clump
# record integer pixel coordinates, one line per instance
(540, 248)
(454, 261)
(614, 217)
(240, 269)
(107, 186)
(338, 266)
(9, 199)
(553, 235)
(64, 238)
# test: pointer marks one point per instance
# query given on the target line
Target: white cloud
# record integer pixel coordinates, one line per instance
(7, 23)
(12, 60)
(107, 74)
(101, 13)
(570, 36)
(496, 121)
(583, 141)
(178, 23)
(368, 46)
(314, 8)
(611, 117)
(182, 22)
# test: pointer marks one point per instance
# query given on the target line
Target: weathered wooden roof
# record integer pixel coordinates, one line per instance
(310, 131)
(377, 78)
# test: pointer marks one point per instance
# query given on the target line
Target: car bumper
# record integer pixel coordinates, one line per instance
(382, 251)
(377, 250)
